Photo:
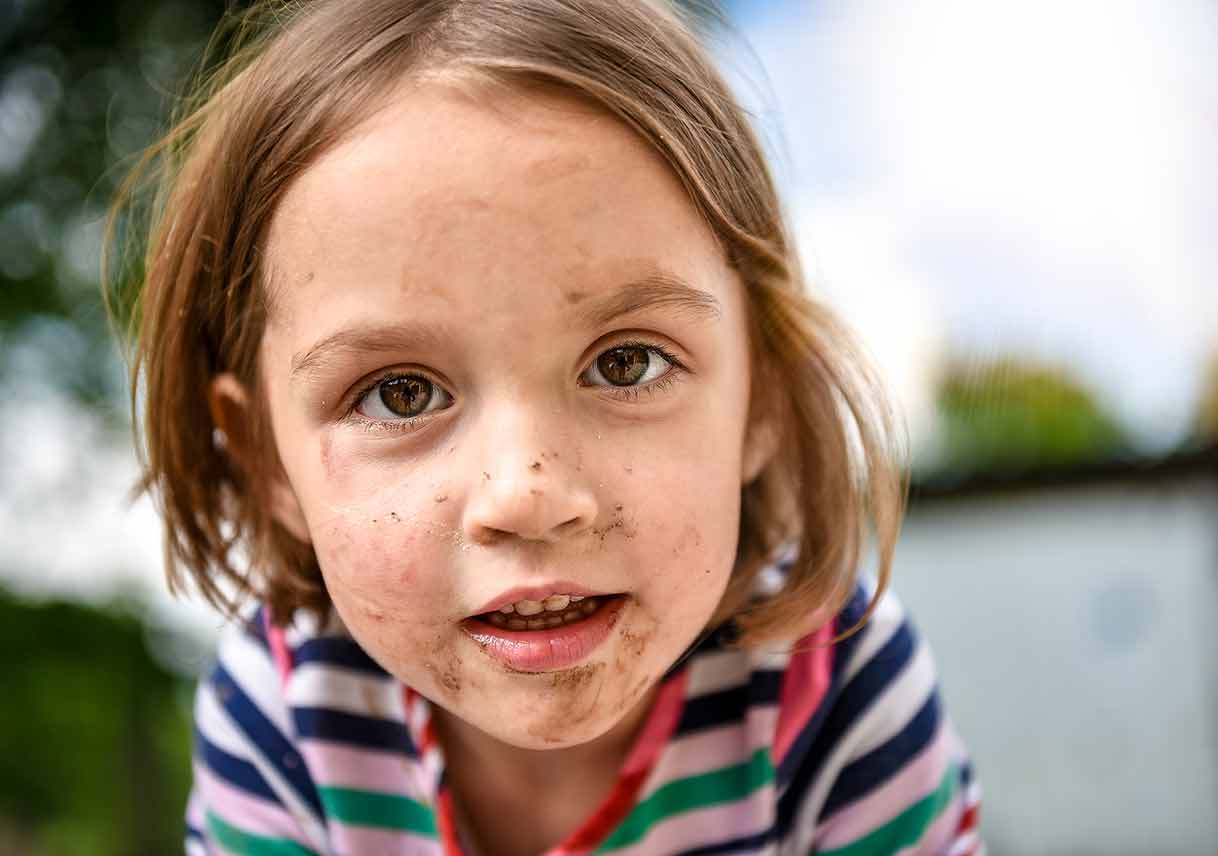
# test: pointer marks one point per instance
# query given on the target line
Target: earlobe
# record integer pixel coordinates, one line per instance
(231, 413)
(760, 446)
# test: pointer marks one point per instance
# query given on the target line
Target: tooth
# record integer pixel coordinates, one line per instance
(537, 623)
(554, 621)
(498, 620)
(588, 607)
(555, 602)
(576, 598)
(507, 610)
(573, 615)
(516, 624)
(528, 607)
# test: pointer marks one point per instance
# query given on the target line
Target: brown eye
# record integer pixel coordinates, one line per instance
(403, 398)
(624, 366)
(407, 396)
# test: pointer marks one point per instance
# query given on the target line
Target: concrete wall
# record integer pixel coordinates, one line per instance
(1075, 636)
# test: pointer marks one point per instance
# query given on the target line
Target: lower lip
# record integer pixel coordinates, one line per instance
(550, 649)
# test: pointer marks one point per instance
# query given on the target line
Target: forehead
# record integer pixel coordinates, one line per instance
(458, 198)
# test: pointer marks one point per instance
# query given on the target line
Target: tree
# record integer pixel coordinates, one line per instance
(1010, 415)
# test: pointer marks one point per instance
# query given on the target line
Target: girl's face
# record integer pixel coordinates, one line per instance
(507, 362)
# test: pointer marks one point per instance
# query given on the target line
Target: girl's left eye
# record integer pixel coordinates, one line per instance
(629, 365)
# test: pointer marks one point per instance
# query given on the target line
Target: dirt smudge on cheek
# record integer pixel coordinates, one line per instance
(327, 463)
(445, 667)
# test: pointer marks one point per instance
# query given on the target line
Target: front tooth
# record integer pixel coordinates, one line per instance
(555, 602)
(528, 607)
(507, 610)
(576, 598)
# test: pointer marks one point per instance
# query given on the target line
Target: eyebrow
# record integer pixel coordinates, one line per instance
(657, 290)
(364, 339)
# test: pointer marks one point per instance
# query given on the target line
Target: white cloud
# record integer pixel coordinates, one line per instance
(1041, 175)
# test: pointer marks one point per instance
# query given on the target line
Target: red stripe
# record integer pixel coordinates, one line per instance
(278, 643)
(803, 687)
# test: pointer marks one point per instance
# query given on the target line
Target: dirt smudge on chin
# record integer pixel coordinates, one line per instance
(568, 709)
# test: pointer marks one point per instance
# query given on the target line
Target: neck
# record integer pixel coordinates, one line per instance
(496, 785)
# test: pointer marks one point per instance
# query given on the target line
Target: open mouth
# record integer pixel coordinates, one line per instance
(554, 611)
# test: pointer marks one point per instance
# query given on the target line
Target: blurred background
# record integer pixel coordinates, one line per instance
(1016, 206)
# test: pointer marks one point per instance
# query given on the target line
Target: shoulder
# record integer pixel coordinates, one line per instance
(867, 744)
(247, 761)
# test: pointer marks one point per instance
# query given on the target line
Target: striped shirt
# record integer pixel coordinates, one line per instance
(304, 745)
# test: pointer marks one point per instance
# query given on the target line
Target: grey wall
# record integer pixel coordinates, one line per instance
(1074, 632)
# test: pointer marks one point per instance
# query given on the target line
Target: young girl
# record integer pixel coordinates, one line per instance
(472, 329)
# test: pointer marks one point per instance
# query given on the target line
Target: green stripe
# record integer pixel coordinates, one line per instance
(908, 827)
(246, 843)
(694, 792)
(374, 808)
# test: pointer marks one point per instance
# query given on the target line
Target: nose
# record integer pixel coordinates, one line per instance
(531, 497)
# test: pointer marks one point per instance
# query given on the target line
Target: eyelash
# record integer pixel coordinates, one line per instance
(675, 373)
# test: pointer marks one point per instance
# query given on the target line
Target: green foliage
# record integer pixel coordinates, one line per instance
(83, 88)
(94, 735)
(1009, 415)
(1206, 424)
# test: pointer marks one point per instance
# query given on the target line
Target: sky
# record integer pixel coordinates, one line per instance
(986, 177)
(1033, 178)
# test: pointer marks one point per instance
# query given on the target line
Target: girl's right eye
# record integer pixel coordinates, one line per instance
(402, 397)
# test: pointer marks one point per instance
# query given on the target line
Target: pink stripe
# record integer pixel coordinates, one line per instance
(939, 837)
(661, 723)
(709, 750)
(244, 811)
(194, 809)
(335, 765)
(362, 840)
(707, 826)
(920, 777)
(803, 687)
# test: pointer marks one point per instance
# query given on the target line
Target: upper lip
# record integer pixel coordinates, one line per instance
(537, 593)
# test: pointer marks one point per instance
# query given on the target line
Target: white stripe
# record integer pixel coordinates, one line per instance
(721, 670)
(251, 666)
(887, 715)
(321, 685)
(965, 843)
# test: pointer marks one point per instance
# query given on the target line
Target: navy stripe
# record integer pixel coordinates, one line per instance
(337, 651)
(725, 707)
(861, 777)
(236, 771)
(337, 726)
(274, 747)
(191, 832)
(255, 628)
(730, 706)
(748, 844)
(843, 653)
(853, 701)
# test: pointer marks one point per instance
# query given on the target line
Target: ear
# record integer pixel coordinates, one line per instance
(760, 446)
(232, 414)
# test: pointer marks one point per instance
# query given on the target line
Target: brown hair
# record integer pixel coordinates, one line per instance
(299, 76)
